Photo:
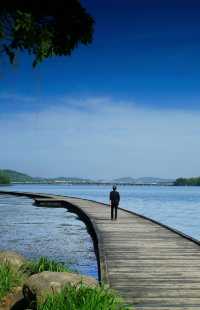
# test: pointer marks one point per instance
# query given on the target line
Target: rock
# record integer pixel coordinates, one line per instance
(11, 299)
(40, 284)
(14, 259)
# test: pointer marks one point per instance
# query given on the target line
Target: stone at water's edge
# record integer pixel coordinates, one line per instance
(11, 299)
(13, 258)
(40, 284)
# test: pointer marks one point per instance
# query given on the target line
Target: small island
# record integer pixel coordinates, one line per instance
(195, 181)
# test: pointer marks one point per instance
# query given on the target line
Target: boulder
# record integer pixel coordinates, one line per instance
(14, 297)
(13, 258)
(40, 284)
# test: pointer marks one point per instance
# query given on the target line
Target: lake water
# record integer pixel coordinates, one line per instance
(178, 207)
(52, 232)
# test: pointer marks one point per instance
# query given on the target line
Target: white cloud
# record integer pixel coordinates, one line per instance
(98, 137)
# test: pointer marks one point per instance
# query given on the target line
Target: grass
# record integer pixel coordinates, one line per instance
(81, 297)
(9, 278)
(43, 264)
(71, 297)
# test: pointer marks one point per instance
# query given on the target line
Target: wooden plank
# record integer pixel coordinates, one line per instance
(137, 251)
(151, 267)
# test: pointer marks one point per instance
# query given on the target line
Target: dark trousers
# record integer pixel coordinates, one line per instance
(114, 207)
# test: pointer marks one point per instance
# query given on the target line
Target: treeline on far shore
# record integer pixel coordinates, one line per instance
(9, 176)
(195, 181)
(4, 178)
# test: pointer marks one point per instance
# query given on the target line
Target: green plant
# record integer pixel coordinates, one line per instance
(44, 29)
(9, 278)
(81, 297)
(43, 264)
(4, 178)
(195, 181)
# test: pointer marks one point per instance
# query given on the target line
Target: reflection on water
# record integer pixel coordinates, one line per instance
(51, 232)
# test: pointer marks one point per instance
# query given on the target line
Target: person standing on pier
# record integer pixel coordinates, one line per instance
(114, 201)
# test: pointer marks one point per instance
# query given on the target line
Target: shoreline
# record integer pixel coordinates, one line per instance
(99, 184)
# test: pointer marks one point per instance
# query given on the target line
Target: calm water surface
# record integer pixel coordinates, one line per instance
(51, 232)
(178, 207)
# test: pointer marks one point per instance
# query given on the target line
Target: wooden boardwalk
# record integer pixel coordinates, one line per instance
(152, 267)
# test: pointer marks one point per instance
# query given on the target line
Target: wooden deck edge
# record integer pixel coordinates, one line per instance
(96, 237)
(180, 233)
(176, 231)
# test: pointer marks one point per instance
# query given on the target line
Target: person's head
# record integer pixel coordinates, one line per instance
(114, 187)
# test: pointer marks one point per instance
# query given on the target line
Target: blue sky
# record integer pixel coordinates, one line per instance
(144, 64)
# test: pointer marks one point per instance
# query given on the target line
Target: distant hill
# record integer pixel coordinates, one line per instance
(68, 179)
(143, 180)
(4, 178)
(153, 180)
(124, 180)
(18, 177)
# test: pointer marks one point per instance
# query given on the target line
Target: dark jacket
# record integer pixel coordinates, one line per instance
(114, 198)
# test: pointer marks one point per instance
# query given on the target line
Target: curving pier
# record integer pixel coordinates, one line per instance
(152, 266)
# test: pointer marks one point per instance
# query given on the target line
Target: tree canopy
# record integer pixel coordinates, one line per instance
(4, 178)
(187, 181)
(43, 28)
